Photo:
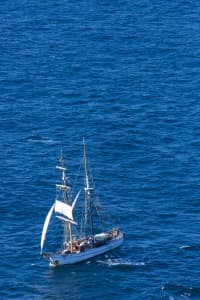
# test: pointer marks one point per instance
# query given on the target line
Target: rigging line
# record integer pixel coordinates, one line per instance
(88, 206)
(105, 213)
(93, 204)
(82, 223)
(84, 218)
(91, 216)
(77, 176)
(98, 210)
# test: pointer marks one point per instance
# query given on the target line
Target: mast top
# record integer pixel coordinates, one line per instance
(61, 160)
(62, 163)
(87, 183)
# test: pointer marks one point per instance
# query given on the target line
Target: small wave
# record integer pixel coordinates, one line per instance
(40, 139)
(183, 291)
(38, 265)
(184, 247)
(188, 247)
(165, 295)
(120, 262)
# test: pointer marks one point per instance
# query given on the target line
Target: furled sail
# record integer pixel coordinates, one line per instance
(66, 220)
(64, 209)
(45, 227)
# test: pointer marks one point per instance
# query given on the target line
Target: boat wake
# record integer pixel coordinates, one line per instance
(37, 265)
(112, 262)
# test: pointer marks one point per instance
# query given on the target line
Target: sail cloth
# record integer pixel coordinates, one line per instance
(45, 227)
(64, 209)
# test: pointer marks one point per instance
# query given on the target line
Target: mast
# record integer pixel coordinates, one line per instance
(88, 189)
(65, 197)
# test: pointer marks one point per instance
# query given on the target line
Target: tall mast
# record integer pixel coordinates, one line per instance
(65, 197)
(88, 189)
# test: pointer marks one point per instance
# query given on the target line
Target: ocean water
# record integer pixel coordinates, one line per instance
(126, 75)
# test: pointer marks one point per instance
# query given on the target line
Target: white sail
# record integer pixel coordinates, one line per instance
(64, 209)
(45, 227)
(75, 199)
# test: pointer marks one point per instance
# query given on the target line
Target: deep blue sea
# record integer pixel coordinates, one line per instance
(126, 75)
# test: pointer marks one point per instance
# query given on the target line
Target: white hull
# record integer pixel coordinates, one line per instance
(72, 258)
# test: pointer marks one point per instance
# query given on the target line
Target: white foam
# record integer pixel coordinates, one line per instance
(185, 247)
(120, 262)
(43, 140)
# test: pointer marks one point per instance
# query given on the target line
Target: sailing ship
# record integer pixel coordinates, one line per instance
(90, 242)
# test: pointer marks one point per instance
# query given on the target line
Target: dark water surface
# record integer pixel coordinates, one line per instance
(126, 75)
